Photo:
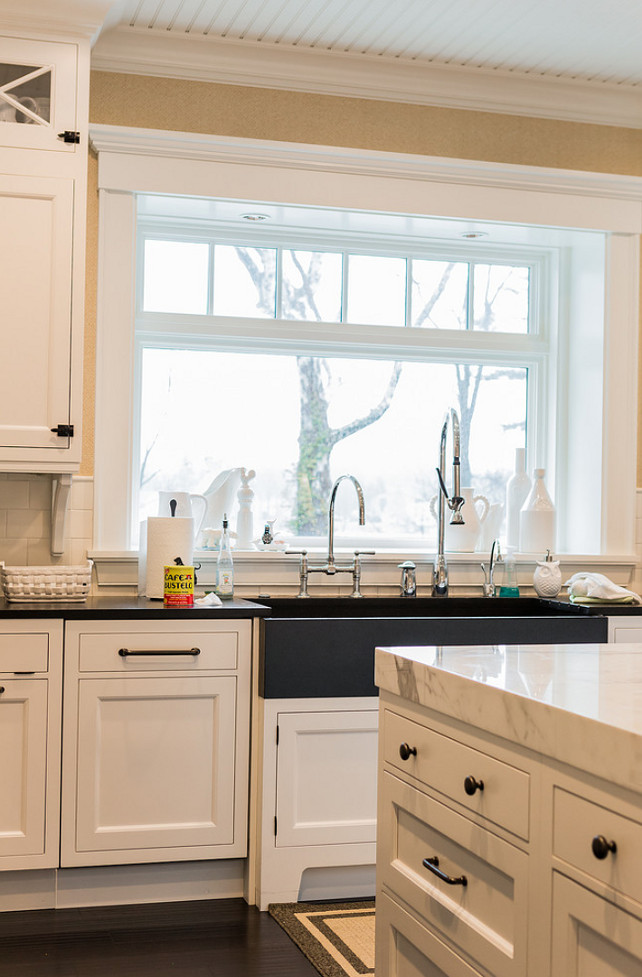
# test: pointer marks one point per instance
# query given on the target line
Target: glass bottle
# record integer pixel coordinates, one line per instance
(537, 518)
(517, 489)
(224, 565)
(508, 585)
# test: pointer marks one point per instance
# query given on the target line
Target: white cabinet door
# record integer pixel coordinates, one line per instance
(625, 630)
(23, 768)
(155, 770)
(38, 93)
(37, 216)
(326, 778)
(590, 933)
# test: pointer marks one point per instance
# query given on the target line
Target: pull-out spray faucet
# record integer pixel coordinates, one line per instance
(454, 502)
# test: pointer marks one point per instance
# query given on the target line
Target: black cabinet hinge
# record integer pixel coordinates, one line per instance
(70, 136)
(63, 430)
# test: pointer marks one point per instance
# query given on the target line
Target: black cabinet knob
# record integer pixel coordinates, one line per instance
(601, 847)
(471, 785)
(405, 751)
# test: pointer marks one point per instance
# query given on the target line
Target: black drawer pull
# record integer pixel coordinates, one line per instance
(432, 864)
(471, 785)
(601, 847)
(405, 751)
(2, 689)
(126, 653)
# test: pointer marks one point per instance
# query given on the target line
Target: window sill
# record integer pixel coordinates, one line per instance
(277, 573)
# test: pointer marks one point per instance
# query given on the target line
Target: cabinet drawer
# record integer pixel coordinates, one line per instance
(405, 948)
(577, 821)
(24, 652)
(444, 765)
(485, 917)
(130, 651)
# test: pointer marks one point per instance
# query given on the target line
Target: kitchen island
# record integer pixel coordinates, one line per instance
(510, 811)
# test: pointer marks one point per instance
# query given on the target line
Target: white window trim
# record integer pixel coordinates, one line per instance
(152, 161)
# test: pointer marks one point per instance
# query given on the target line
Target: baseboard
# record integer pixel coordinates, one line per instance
(113, 885)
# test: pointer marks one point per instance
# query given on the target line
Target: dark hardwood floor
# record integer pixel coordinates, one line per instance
(213, 938)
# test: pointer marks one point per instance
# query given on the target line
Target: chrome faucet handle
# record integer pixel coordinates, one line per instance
(356, 571)
(303, 570)
(408, 578)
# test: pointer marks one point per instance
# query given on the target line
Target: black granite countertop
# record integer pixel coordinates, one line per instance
(127, 608)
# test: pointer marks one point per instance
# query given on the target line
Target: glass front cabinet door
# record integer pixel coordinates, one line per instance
(38, 86)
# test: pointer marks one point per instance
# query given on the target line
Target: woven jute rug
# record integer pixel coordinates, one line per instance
(338, 938)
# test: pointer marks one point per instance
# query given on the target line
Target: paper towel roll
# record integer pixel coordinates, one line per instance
(166, 539)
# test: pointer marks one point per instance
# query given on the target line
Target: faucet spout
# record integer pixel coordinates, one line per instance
(454, 501)
(362, 512)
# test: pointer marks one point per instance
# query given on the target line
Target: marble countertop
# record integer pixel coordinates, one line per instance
(579, 704)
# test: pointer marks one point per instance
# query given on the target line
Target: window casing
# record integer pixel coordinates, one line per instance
(594, 220)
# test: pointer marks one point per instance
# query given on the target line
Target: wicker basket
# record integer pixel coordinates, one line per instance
(46, 583)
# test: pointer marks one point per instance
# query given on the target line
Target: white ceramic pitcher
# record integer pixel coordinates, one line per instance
(187, 504)
(464, 538)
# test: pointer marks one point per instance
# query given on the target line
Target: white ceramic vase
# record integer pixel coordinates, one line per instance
(537, 518)
(517, 489)
(464, 538)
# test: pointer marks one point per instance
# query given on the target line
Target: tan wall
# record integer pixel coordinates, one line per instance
(164, 103)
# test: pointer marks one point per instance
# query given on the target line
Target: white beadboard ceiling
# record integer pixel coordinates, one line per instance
(590, 39)
(569, 59)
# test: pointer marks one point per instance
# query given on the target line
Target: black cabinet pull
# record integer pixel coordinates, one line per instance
(432, 864)
(126, 653)
(601, 847)
(471, 785)
(2, 689)
(405, 751)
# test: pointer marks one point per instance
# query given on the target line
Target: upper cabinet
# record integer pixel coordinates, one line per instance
(44, 90)
(39, 94)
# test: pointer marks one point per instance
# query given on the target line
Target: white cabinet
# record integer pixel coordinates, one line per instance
(453, 823)
(156, 741)
(592, 937)
(318, 799)
(496, 859)
(30, 718)
(625, 629)
(43, 189)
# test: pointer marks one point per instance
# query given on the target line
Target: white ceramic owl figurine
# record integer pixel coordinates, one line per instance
(547, 579)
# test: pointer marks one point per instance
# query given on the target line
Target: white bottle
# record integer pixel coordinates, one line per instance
(517, 489)
(245, 519)
(224, 566)
(537, 518)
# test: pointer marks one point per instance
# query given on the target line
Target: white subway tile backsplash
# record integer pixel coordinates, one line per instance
(82, 493)
(40, 493)
(25, 520)
(27, 523)
(79, 524)
(14, 494)
(13, 552)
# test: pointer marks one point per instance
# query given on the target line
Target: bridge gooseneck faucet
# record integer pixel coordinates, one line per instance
(455, 502)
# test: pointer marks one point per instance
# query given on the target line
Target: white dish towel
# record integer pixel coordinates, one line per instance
(595, 586)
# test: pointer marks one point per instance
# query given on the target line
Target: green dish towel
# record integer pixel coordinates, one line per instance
(602, 600)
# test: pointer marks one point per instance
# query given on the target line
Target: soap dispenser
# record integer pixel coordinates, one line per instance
(547, 579)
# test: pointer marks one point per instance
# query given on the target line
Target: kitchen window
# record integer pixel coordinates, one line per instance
(574, 235)
(266, 349)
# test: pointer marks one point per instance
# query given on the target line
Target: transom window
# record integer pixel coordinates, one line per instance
(304, 355)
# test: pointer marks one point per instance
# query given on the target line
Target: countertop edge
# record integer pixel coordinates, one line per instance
(609, 752)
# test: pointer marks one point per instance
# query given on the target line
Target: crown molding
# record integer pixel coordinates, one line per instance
(71, 18)
(252, 63)
(360, 162)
